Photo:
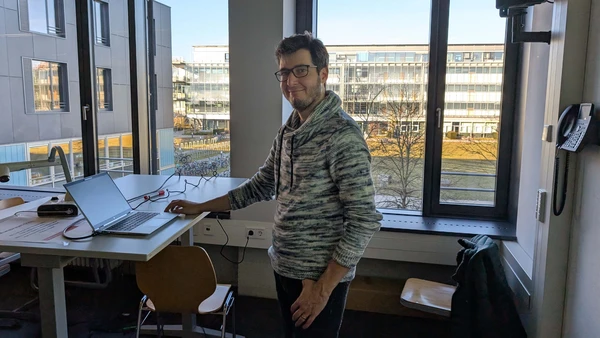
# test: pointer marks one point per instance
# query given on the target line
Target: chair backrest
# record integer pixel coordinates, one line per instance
(10, 202)
(177, 279)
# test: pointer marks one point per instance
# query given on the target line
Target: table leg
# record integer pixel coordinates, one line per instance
(188, 321)
(53, 307)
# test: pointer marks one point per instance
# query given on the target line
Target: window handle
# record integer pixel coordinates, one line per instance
(438, 116)
(84, 111)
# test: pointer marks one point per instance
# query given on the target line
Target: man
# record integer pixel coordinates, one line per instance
(318, 169)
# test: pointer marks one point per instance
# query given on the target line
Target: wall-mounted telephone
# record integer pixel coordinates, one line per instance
(577, 127)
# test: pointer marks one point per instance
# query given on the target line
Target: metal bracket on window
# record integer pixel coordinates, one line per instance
(84, 111)
(438, 117)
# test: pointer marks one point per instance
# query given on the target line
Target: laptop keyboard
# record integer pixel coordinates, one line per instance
(132, 222)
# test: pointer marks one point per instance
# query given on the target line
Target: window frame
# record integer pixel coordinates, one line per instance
(438, 51)
(432, 207)
(59, 17)
(29, 85)
(103, 24)
(107, 105)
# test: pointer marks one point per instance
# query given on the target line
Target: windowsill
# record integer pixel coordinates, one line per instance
(46, 34)
(448, 226)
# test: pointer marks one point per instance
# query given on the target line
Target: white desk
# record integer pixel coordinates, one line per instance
(50, 258)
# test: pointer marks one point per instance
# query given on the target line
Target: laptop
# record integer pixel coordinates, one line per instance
(106, 209)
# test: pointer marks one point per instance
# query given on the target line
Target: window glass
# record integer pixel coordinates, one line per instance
(43, 16)
(468, 155)
(387, 100)
(104, 87)
(48, 81)
(199, 138)
(101, 23)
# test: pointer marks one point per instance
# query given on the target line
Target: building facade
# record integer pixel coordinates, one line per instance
(39, 87)
(374, 82)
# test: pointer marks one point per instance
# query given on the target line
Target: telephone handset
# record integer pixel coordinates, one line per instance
(576, 127)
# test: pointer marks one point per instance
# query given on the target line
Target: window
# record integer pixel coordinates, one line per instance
(101, 24)
(200, 136)
(391, 96)
(476, 182)
(400, 96)
(104, 86)
(49, 85)
(42, 16)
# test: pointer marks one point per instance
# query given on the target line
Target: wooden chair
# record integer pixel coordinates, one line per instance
(182, 279)
(427, 296)
(8, 257)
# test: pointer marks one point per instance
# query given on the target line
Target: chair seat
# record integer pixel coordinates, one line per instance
(211, 304)
(428, 296)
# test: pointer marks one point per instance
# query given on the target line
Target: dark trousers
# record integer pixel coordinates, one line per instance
(328, 322)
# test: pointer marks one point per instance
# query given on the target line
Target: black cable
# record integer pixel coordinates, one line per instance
(215, 174)
(155, 190)
(137, 206)
(180, 191)
(227, 241)
(64, 233)
(18, 212)
(564, 187)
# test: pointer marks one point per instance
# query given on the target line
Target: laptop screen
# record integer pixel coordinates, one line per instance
(98, 198)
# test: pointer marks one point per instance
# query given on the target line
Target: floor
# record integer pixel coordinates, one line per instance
(111, 312)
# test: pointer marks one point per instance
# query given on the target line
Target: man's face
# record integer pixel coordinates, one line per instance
(303, 91)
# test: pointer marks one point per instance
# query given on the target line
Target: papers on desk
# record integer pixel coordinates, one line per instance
(28, 227)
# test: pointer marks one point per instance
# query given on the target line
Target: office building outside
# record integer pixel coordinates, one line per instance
(366, 78)
(384, 88)
(39, 87)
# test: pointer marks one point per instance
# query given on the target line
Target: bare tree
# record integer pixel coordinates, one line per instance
(364, 104)
(398, 156)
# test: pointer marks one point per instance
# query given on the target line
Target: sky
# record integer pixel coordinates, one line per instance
(346, 22)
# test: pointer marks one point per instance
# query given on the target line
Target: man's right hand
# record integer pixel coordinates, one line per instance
(184, 207)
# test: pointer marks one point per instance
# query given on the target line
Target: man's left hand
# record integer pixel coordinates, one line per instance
(310, 303)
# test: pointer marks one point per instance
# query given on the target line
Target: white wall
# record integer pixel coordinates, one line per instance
(255, 29)
(531, 107)
(582, 300)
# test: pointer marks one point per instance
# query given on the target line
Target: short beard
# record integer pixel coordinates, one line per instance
(313, 95)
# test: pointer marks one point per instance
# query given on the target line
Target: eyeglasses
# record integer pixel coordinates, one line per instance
(298, 71)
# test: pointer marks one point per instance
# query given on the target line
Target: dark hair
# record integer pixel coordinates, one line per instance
(290, 45)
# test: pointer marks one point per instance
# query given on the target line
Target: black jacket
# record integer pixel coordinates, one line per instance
(482, 305)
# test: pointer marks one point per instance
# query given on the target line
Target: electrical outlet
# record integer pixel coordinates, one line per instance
(255, 232)
(207, 229)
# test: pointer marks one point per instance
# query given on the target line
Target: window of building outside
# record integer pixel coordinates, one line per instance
(41, 90)
(381, 73)
(200, 88)
(42, 16)
(49, 85)
(101, 23)
(104, 86)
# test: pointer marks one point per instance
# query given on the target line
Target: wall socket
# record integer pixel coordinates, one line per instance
(207, 229)
(255, 232)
